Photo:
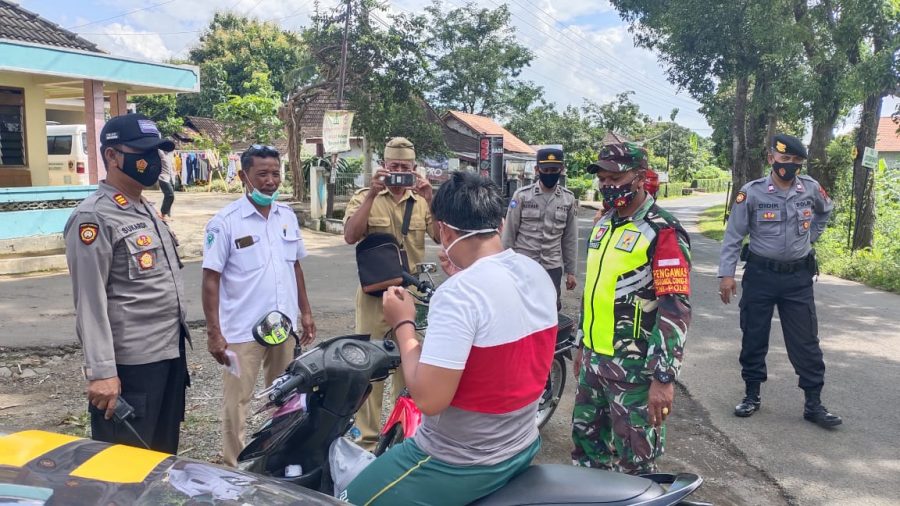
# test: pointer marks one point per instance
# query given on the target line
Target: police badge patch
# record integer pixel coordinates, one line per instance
(513, 204)
(741, 197)
(88, 232)
(628, 241)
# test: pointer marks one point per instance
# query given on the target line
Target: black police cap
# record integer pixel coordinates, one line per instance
(788, 145)
(135, 131)
(549, 157)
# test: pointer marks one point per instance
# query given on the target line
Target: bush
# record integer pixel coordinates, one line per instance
(580, 186)
(712, 172)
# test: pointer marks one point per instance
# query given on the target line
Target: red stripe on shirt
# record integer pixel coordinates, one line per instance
(504, 378)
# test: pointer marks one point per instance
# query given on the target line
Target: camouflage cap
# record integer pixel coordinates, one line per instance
(620, 158)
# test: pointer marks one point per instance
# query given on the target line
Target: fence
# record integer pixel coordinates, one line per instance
(345, 185)
(711, 185)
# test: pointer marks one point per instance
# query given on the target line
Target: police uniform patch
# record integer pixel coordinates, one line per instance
(805, 225)
(144, 240)
(628, 241)
(513, 204)
(141, 166)
(824, 194)
(768, 215)
(145, 260)
(210, 238)
(741, 197)
(120, 199)
(88, 232)
(807, 213)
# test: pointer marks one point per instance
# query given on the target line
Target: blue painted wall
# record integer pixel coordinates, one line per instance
(18, 224)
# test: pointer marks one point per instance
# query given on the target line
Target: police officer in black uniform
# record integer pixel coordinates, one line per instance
(784, 214)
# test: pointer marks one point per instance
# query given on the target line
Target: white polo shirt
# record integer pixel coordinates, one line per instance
(255, 257)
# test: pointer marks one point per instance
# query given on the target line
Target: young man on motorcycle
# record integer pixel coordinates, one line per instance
(479, 375)
(635, 318)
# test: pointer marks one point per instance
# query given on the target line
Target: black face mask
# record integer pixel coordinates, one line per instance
(786, 171)
(142, 167)
(549, 180)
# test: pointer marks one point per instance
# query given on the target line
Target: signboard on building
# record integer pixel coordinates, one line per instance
(336, 131)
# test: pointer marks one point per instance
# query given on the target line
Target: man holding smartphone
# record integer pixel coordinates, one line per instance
(397, 195)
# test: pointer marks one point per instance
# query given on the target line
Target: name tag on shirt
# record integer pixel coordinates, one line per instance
(245, 241)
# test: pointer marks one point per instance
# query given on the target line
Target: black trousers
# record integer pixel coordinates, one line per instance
(168, 197)
(156, 391)
(793, 294)
(556, 277)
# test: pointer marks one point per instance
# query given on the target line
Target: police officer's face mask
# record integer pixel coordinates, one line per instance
(786, 171)
(619, 196)
(142, 167)
(549, 180)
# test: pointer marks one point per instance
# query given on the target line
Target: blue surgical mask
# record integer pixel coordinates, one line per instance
(260, 198)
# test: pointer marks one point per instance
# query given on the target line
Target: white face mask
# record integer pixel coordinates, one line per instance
(469, 233)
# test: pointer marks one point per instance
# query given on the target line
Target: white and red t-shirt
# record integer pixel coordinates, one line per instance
(496, 321)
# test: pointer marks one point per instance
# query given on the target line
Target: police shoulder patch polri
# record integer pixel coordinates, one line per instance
(740, 198)
(87, 232)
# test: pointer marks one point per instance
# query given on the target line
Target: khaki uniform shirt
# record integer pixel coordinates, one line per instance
(542, 226)
(126, 282)
(782, 225)
(386, 216)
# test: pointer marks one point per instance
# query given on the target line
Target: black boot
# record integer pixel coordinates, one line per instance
(750, 404)
(816, 413)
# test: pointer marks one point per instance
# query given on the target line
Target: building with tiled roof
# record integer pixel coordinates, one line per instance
(887, 141)
(474, 125)
(18, 23)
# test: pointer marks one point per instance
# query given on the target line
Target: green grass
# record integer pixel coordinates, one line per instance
(711, 224)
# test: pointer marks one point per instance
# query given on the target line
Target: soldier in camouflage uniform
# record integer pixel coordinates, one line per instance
(635, 319)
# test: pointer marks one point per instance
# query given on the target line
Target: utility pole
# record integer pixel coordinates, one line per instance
(329, 211)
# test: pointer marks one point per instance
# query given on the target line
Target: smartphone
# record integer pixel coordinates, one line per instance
(400, 179)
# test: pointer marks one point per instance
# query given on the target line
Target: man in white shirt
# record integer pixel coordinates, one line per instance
(251, 266)
(479, 375)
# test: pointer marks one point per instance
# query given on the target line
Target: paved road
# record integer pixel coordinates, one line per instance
(856, 464)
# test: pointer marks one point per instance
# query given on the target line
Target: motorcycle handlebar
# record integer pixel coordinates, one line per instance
(421, 285)
(278, 393)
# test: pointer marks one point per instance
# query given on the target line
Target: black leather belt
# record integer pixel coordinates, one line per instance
(779, 267)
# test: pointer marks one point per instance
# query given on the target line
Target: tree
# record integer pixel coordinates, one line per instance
(741, 44)
(161, 109)
(879, 75)
(477, 60)
(385, 75)
(235, 47)
(620, 116)
(214, 89)
(252, 117)
(543, 124)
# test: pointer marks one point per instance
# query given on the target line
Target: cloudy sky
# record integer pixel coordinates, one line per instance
(583, 50)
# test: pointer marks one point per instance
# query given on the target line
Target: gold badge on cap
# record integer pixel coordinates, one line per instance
(141, 165)
(780, 147)
(551, 157)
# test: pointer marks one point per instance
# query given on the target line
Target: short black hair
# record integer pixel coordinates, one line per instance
(257, 151)
(469, 202)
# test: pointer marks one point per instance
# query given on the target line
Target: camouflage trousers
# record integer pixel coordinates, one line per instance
(610, 425)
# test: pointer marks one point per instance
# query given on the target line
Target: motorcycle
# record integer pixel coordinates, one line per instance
(405, 417)
(321, 390)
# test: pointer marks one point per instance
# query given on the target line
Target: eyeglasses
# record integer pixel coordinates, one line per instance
(262, 149)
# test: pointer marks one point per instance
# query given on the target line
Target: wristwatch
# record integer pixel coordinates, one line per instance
(663, 377)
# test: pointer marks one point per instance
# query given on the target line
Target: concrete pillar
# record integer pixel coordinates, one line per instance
(118, 103)
(94, 119)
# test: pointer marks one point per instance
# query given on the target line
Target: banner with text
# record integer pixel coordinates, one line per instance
(336, 131)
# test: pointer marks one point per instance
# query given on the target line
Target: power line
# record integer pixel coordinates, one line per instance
(120, 15)
(610, 55)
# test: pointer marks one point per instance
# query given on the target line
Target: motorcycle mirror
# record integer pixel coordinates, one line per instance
(273, 329)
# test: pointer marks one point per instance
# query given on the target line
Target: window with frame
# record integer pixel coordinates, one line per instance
(12, 128)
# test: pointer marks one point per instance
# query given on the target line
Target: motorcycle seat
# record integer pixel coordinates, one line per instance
(556, 484)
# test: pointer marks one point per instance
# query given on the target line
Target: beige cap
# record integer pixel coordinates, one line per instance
(399, 148)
